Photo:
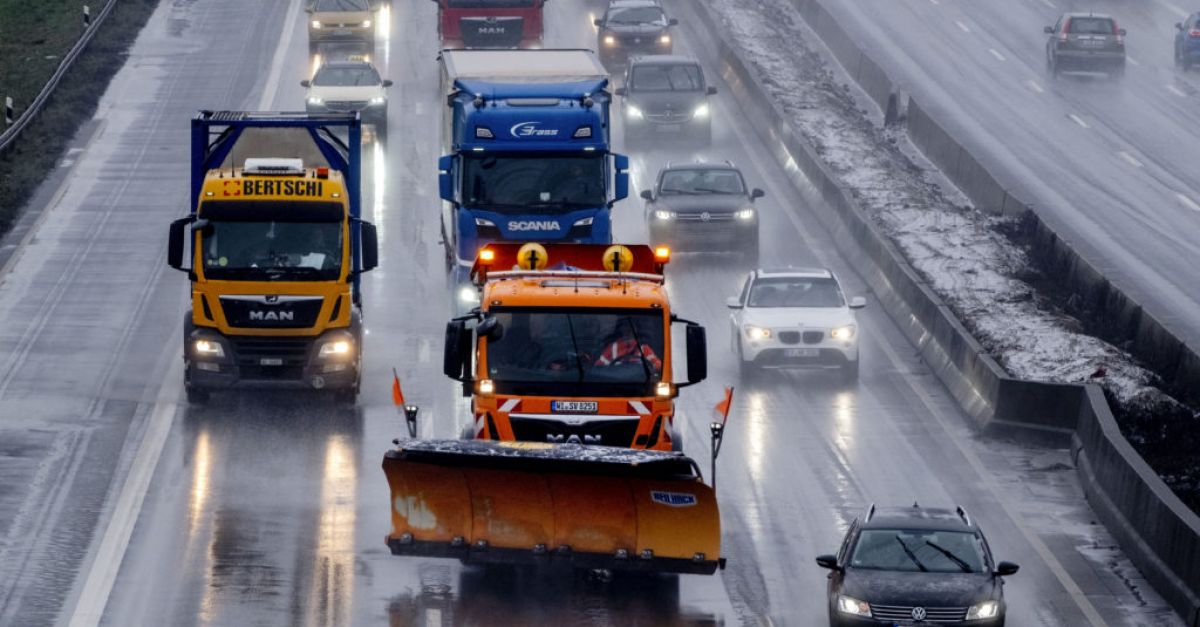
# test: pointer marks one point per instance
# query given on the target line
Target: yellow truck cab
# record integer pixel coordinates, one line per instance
(572, 343)
(276, 251)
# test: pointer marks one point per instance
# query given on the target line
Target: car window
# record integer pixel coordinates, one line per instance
(636, 15)
(796, 292)
(346, 77)
(913, 550)
(1090, 26)
(844, 549)
(673, 77)
(745, 291)
(701, 181)
(342, 5)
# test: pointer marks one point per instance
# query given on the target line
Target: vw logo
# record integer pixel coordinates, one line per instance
(271, 299)
(918, 613)
(706, 216)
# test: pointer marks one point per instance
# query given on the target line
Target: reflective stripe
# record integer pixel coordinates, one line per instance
(510, 405)
(639, 407)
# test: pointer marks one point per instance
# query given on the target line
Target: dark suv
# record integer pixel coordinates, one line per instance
(703, 206)
(1085, 42)
(631, 27)
(665, 96)
(913, 565)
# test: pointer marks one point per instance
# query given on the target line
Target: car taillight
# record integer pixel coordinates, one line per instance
(1117, 31)
(1194, 33)
(1062, 36)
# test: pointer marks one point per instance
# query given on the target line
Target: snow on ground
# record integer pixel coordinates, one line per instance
(962, 253)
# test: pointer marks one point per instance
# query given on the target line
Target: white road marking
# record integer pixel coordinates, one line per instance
(935, 1)
(1177, 91)
(963, 27)
(1132, 61)
(996, 53)
(1078, 120)
(1130, 159)
(1032, 84)
(1050, 4)
(285, 41)
(107, 563)
(1188, 202)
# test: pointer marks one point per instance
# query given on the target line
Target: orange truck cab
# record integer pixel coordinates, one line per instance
(572, 343)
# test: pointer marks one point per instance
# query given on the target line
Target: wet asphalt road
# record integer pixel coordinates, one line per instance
(269, 508)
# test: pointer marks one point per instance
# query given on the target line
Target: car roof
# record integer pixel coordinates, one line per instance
(1103, 16)
(622, 4)
(346, 64)
(664, 59)
(805, 273)
(699, 165)
(916, 517)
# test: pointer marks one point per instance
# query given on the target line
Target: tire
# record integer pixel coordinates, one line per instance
(746, 369)
(749, 254)
(849, 372)
(1118, 72)
(196, 396)
(346, 396)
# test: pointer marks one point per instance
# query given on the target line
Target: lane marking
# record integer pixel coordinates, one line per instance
(1130, 159)
(1078, 120)
(996, 53)
(1050, 4)
(963, 27)
(1177, 91)
(1188, 202)
(1032, 84)
(1132, 61)
(935, 1)
(285, 42)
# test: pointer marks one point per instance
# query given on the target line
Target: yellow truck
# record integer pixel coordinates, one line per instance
(277, 248)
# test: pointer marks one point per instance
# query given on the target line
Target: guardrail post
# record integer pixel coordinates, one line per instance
(87, 16)
(8, 112)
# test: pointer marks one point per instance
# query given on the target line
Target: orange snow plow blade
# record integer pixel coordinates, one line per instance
(585, 506)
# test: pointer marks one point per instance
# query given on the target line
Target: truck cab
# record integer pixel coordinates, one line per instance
(490, 23)
(277, 247)
(573, 343)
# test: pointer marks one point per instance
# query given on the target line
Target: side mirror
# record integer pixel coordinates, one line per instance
(697, 354)
(177, 243)
(858, 302)
(387, 83)
(1179, 26)
(1121, 32)
(672, 22)
(306, 83)
(1049, 30)
(370, 246)
(490, 328)
(828, 561)
(757, 193)
(597, 22)
(647, 194)
(457, 351)
(712, 91)
(1004, 569)
(620, 91)
(621, 180)
(733, 302)
(446, 178)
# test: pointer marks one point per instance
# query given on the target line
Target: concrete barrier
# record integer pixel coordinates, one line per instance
(1156, 530)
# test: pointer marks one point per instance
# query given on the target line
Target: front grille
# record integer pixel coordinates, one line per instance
(346, 105)
(789, 337)
(813, 337)
(905, 613)
(669, 117)
(491, 32)
(700, 217)
(283, 313)
(290, 351)
(607, 432)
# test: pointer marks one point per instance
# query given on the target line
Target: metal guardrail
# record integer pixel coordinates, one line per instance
(9, 136)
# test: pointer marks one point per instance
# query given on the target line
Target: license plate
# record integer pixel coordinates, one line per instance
(669, 128)
(574, 407)
(802, 352)
(270, 361)
(341, 31)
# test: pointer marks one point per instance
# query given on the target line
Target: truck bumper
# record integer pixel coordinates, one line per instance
(271, 361)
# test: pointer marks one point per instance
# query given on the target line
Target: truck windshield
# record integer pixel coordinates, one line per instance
(487, 4)
(272, 251)
(552, 351)
(533, 182)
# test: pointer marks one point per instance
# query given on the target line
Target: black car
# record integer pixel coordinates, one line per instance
(913, 565)
(632, 27)
(665, 96)
(703, 207)
(1085, 42)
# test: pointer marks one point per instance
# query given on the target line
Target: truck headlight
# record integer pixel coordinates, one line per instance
(852, 606)
(745, 214)
(484, 222)
(584, 222)
(335, 348)
(208, 348)
(663, 214)
(468, 295)
(757, 333)
(609, 40)
(315, 100)
(633, 112)
(843, 333)
(665, 39)
(987, 609)
(378, 100)
(486, 386)
(701, 111)
(662, 389)
(316, 24)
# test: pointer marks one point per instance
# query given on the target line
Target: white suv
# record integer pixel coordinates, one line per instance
(795, 318)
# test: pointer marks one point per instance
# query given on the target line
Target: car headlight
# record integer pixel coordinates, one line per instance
(633, 112)
(745, 214)
(316, 24)
(758, 333)
(208, 348)
(987, 609)
(335, 348)
(468, 295)
(609, 40)
(843, 333)
(366, 23)
(852, 606)
(315, 100)
(701, 111)
(378, 100)
(663, 214)
(665, 39)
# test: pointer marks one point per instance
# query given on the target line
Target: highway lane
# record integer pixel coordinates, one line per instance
(1112, 163)
(270, 507)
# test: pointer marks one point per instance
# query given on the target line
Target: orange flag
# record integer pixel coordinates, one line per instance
(397, 394)
(722, 408)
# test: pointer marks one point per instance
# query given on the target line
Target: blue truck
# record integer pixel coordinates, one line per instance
(527, 152)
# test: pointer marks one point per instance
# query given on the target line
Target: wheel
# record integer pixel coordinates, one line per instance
(1118, 72)
(346, 396)
(849, 372)
(746, 369)
(1052, 66)
(196, 396)
(749, 253)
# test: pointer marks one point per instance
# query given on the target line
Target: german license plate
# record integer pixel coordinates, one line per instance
(802, 352)
(341, 31)
(270, 361)
(669, 128)
(574, 407)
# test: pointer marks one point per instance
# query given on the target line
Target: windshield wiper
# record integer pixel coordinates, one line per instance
(641, 355)
(575, 345)
(912, 556)
(710, 190)
(679, 191)
(966, 568)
